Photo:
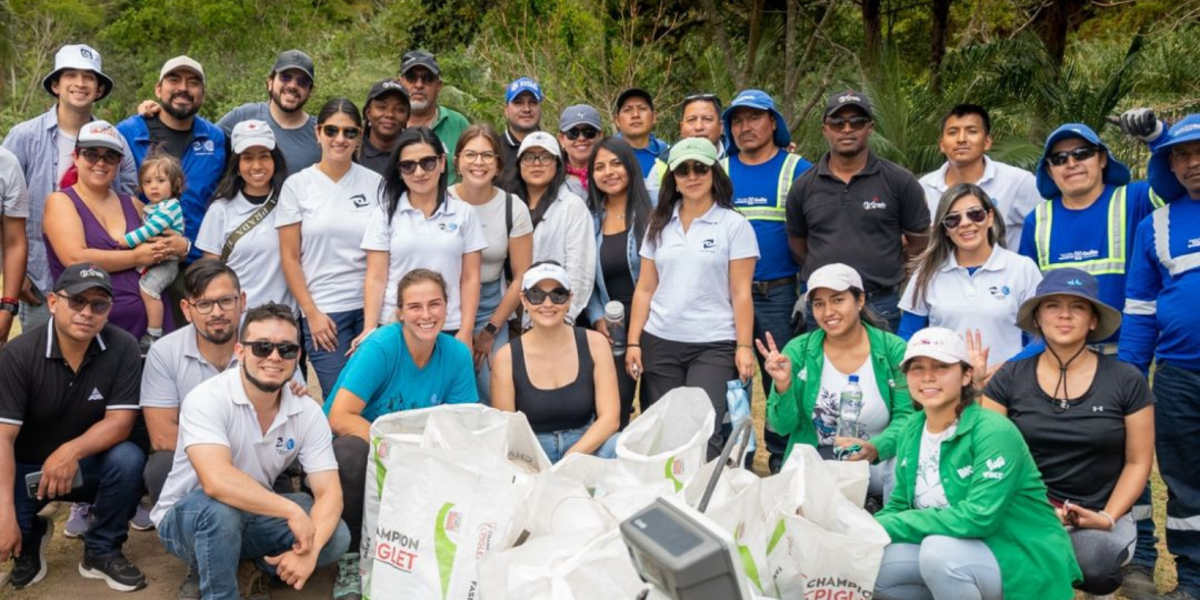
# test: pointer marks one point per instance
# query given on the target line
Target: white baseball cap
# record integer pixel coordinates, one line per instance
(181, 62)
(540, 139)
(543, 272)
(81, 57)
(834, 276)
(940, 344)
(251, 133)
(100, 134)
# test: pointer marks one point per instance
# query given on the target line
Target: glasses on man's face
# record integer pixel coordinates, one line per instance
(263, 349)
(975, 214)
(77, 303)
(427, 164)
(530, 158)
(588, 133)
(425, 77)
(300, 79)
(1080, 154)
(92, 156)
(687, 168)
(536, 296)
(471, 156)
(856, 123)
(204, 306)
(332, 131)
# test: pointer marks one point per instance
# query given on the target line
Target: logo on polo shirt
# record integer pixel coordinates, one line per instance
(709, 245)
(283, 447)
(448, 227)
(359, 200)
(203, 148)
(1097, 409)
(999, 292)
(874, 204)
(96, 395)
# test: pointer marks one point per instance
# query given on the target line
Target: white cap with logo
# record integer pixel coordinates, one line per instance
(100, 134)
(940, 344)
(185, 63)
(834, 276)
(251, 133)
(543, 272)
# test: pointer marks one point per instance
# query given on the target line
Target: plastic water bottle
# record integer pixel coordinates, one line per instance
(849, 410)
(737, 401)
(614, 320)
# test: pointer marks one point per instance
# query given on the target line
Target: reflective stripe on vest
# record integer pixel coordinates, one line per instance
(1113, 264)
(1155, 200)
(778, 212)
(1161, 220)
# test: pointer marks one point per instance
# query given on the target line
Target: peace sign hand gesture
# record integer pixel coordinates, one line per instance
(979, 358)
(777, 365)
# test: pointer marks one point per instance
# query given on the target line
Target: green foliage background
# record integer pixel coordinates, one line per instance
(1119, 56)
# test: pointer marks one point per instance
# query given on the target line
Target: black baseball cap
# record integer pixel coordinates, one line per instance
(293, 59)
(419, 58)
(634, 93)
(385, 87)
(81, 277)
(848, 98)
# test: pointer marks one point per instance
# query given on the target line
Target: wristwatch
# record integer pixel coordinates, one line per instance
(491, 328)
(10, 304)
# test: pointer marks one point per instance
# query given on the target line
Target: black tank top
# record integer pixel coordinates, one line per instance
(569, 407)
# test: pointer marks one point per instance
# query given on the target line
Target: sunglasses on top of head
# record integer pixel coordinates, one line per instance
(1080, 154)
(536, 296)
(975, 214)
(332, 131)
(263, 349)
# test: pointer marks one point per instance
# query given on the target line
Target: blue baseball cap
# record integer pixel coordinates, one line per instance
(1115, 173)
(523, 84)
(1070, 282)
(1162, 180)
(759, 100)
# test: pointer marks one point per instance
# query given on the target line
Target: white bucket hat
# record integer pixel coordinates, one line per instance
(81, 57)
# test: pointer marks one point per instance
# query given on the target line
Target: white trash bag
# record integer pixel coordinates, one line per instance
(670, 440)
(562, 568)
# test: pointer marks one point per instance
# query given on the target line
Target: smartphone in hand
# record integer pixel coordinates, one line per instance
(33, 480)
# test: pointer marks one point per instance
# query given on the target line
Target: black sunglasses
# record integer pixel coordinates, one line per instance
(427, 164)
(537, 296)
(1080, 154)
(78, 303)
(855, 123)
(301, 80)
(976, 214)
(262, 349)
(332, 131)
(92, 156)
(588, 133)
(428, 78)
(687, 168)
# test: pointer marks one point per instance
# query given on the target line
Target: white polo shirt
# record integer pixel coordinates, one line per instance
(333, 217)
(567, 235)
(692, 303)
(174, 367)
(438, 242)
(219, 412)
(987, 301)
(1013, 190)
(255, 257)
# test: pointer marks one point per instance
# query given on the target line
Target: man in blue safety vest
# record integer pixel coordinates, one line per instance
(1162, 325)
(762, 172)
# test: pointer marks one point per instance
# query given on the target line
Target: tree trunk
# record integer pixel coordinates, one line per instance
(756, 14)
(1054, 21)
(941, 24)
(872, 31)
(721, 37)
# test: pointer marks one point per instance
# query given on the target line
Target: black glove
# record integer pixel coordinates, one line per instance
(1140, 123)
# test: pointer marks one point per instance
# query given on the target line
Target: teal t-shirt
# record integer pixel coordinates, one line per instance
(382, 373)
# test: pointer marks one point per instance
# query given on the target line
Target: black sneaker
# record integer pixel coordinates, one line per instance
(115, 570)
(30, 567)
(1138, 583)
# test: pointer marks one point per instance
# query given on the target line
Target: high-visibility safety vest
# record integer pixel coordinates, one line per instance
(1156, 200)
(1113, 264)
(777, 212)
(1175, 265)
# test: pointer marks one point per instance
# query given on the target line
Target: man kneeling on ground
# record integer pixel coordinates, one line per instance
(237, 432)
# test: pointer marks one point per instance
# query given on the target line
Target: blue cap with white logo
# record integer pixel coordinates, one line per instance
(1162, 180)
(760, 100)
(1070, 282)
(517, 87)
(1115, 172)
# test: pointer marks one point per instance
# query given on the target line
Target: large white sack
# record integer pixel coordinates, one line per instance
(612, 483)
(442, 511)
(670, 440)
(852, 477)
(562, 568)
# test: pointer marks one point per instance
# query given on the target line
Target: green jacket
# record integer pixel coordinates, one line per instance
(996, 495)
(790, 413)
(450, 124)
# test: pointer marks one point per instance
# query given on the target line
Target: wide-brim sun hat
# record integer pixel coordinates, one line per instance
(1115, 172)
(1162, 179)
(83, 58)
(1070, 282)
(759, 100)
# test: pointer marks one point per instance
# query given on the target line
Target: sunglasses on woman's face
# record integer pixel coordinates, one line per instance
(976, 214)
(536, 296)
(263, 349)
(687, 168)
(92, 156)
(588, 133)
(427, 164)
(332, 131)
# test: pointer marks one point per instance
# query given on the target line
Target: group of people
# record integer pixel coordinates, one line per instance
(178, 281)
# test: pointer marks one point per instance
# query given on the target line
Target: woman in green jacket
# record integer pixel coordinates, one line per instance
(811, 371)
(969, 519)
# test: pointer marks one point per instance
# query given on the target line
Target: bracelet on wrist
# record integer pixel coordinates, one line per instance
(1112, 523)
(745, 346)
(633, 345)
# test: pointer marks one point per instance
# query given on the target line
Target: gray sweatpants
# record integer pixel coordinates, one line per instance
(939, 568)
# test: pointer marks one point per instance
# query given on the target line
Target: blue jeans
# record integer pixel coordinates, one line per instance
(214, 537)
(939, 568)
(773, 313)
(329, 365)
(556, 443)
(1176, 429)
(32, 316)
(112, 482)
(490, 295)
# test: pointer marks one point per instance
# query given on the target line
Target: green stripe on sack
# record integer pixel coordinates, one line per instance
(444, 548)
(380, 470)
(751, 568)
(670, 474)
(780, 530)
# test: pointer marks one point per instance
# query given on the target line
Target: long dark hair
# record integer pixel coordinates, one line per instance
(339, 105)
(637, 204)
(941, 247)
(393, 183)
(520, 189)
(232, 182)
(722, 191)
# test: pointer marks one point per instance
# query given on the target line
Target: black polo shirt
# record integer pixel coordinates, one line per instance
(53, 404)
(859, 223)
(373, 158)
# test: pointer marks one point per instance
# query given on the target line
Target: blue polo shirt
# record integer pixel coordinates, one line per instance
(203, 164)
(382, 373)
(647, 155)
(756, 186)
